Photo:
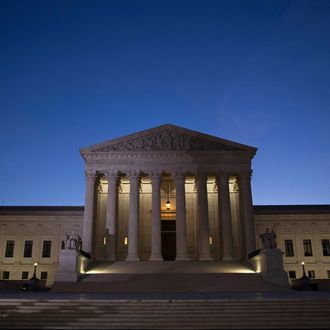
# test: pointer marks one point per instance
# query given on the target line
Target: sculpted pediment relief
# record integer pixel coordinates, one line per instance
(168, 138)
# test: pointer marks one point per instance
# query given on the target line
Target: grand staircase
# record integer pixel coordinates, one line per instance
(227, 313)
(233, 276)
(175, 295)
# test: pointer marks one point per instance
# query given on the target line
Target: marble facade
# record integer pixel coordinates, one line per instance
(129, 180)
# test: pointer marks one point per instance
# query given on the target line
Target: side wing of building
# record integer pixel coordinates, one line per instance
(302, 233)
(30, 234)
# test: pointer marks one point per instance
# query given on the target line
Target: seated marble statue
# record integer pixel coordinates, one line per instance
(73, 241)
(268, 239)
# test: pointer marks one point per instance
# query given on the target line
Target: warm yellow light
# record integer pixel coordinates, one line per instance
(104, 240)
(210, 240)
(35, 264)
(125, 240)
(168, 205)
(302, 263)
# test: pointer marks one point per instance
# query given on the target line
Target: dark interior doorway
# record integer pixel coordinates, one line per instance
(168, 240)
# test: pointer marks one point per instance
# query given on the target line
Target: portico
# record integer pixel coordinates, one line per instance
(205, 179)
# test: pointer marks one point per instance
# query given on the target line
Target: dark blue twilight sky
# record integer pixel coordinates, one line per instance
(75, 73)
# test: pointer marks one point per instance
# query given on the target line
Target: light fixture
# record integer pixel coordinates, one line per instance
(125, 240)
(34, 277)
(211, 240)
(104, 240)
(303, 267)
(168, 203)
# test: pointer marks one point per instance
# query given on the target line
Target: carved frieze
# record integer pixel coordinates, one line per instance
(167, 140)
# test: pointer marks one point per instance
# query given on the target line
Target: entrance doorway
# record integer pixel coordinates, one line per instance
(168, 239)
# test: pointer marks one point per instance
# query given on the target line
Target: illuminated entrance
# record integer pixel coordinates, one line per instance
(168, 237)
(159, 191)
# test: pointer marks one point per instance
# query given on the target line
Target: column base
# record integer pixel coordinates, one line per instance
(110, 257)
(132, 258)
(156, 258)
(182, 258)
(227, 258)
(205, 258)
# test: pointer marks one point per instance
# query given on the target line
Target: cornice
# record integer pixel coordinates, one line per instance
(176, 155)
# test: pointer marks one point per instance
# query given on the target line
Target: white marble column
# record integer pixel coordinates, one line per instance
(181, 231)
(246, 207)
(88, 211)
(133, 221)
(203, 218)
(156, 243)
(111, 217)
(225, 216)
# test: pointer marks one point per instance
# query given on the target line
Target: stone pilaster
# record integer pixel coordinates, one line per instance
(111, 216)
(181, 231)
(203, 218)
(133, 221)
(88, 212)
(246, 206)
(225, 216)
(156, 246)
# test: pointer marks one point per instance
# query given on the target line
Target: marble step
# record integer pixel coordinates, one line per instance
(87, 314)
(169, 282)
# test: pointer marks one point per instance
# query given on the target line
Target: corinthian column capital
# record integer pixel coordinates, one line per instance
(112, 175)
(134, 175)
(245, 176)
(224, 176)
(222, 179)
(90, 174)
(156, 174)
(201, 178)
(178, 176)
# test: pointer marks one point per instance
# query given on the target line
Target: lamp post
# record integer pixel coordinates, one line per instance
(303, 267)
(34, 281)
(34, 277)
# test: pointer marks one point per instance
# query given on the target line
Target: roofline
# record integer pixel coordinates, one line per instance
(150, 130)
(291, 209)
(34, 209)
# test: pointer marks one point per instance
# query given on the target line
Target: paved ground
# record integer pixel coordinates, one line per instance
(127, 267)
(170, 276)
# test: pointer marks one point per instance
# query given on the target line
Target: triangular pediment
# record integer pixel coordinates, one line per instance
(167, 138)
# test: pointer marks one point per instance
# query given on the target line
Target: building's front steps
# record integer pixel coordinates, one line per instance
(183, 276)
(226, 313)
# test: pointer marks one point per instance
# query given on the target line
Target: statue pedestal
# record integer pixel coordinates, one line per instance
(68, 268)
(271, 266)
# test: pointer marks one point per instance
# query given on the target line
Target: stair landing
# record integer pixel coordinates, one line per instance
(171, 276)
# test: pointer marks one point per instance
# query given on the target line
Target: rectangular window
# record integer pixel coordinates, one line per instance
(10, 249)
(28, 249)
(25, 275)
(5, 275)
(328, 273)
(292, 274)
(311, 274)
(43, 275)
(326, 247)
(289, 248)
(46, 249)
(308, 248)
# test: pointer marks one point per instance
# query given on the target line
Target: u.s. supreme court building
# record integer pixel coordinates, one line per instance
(164, 194)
